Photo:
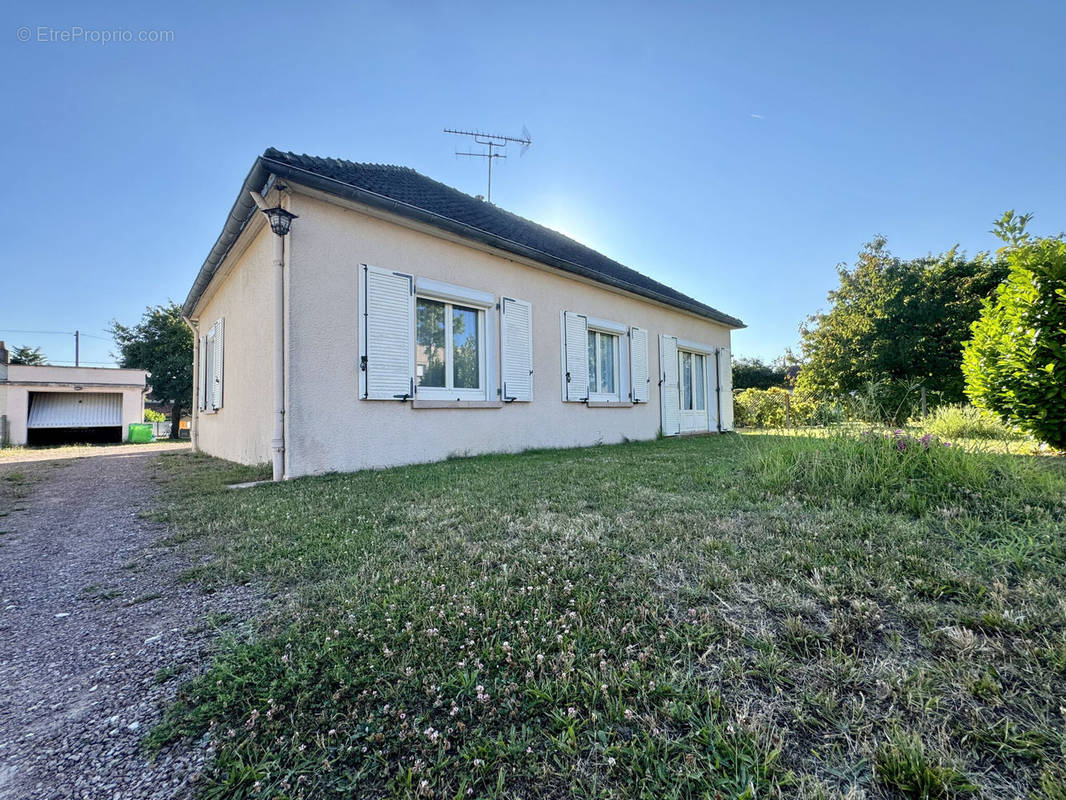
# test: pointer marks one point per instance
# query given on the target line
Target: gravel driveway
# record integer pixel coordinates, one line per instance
(90, 611)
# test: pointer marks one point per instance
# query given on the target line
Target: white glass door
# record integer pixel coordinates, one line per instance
(692, 374)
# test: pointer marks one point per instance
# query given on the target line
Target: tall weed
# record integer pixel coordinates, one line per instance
(901, 473)
(967, 422)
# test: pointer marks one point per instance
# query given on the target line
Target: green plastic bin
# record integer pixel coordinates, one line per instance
(141, 432)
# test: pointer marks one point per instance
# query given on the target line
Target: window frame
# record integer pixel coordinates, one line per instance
(448, 392)
(594, 368)
(691, 385)
(208, 355)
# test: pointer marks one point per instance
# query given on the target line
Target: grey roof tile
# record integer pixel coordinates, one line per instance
(442, 205)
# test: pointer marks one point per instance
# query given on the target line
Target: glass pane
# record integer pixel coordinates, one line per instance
(466, 364)
(607, 345)
(593, 381)
(429, 350)
(700, 402)
(686, 381)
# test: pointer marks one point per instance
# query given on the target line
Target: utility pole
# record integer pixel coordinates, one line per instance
(77, 348)
(491, 140)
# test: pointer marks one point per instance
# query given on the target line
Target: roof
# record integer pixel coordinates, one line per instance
(61, 375)
(403, 191)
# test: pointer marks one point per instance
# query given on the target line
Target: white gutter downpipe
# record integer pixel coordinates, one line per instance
(195, 411)
(277, 443)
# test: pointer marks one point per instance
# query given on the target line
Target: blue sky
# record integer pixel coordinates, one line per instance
(735, 151)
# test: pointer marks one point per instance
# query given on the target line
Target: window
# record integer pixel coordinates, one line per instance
(211, 352)
(603, 366)
(207, 351)
(603, 362)
(423, 339)
(691, 369)
(449, 350)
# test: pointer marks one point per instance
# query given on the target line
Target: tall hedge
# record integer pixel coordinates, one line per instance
(1015, 363)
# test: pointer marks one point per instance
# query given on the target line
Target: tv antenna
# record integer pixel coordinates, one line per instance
(492, 140)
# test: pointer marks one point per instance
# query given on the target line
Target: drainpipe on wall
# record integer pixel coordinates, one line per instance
(194, 427)
(277, 443)
(718, 385)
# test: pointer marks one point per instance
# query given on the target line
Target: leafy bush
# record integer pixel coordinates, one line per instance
(813, 410)
(154, 416)
(966, 422)
(777, 407)
(902, 473)
(1015, 364)
(759, 408)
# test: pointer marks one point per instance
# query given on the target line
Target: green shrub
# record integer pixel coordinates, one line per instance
(812, 410)
(777, 407)
(898, 472)
(759, 408)
(154, 416)
(1015, 364)
(966, 422)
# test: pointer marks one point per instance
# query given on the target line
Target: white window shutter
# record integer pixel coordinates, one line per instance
(725, 382)
(387, 340)
(516, 348)
(201, 376)
(670, 395)
(216, 364)
(576, 356)
(638, 365)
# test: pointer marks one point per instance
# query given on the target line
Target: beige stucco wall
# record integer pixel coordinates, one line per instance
(330, 428)
(243, 296)
(22, 379)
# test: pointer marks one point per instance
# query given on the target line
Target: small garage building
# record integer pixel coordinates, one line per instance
(42, 405)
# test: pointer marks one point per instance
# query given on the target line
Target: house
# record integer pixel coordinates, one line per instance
(58, 405)
(403, 321)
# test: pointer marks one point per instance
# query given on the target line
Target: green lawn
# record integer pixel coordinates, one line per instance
(728, 616)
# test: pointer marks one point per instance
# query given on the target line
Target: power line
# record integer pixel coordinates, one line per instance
(77, 341)
(55, 333)
(38, 333)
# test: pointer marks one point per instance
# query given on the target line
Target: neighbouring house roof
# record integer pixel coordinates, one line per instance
(55, 375)
(403, 191)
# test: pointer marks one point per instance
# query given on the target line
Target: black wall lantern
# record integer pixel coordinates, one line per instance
(280, 219)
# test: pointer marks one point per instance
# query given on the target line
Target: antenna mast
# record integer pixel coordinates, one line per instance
(492, 140)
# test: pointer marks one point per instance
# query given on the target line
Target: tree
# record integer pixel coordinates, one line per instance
(897, 320)
(754, 373)
(151, 415)
(1015, 364)
(162, 344)
(29, 356)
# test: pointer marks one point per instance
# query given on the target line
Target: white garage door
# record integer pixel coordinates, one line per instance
(70, 410)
